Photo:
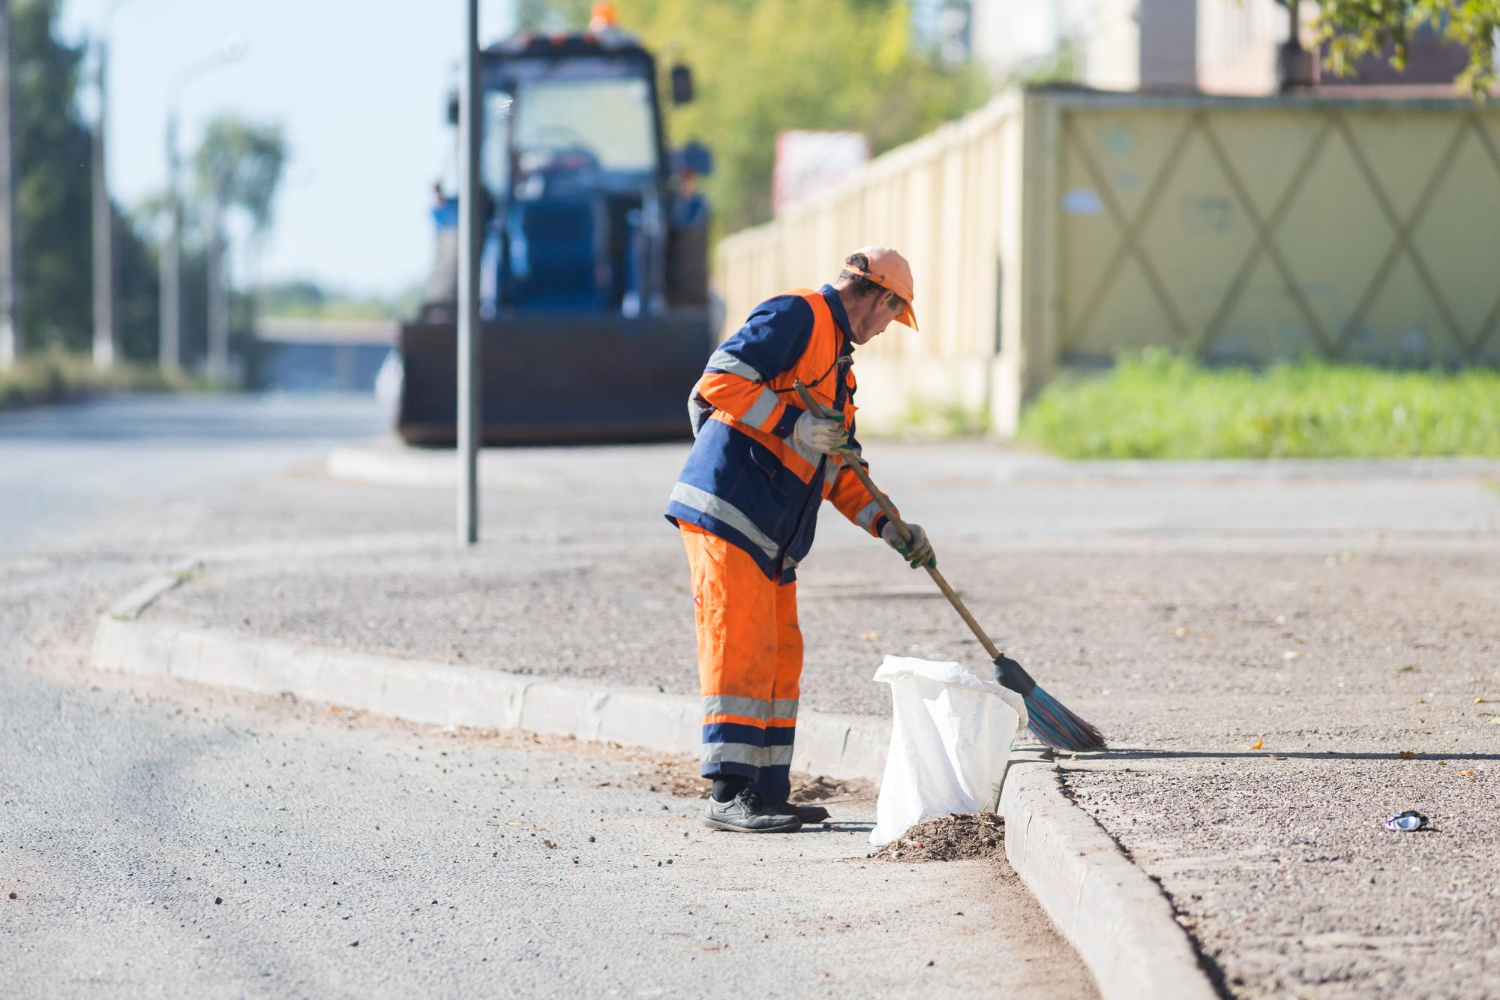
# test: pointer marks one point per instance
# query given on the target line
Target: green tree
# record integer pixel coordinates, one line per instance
(54, 203)
(52, 180)
(138, 293)
(1354, 29)
(773, 65)
(240, 164)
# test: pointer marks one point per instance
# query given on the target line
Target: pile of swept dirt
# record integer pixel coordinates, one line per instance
(955, 837)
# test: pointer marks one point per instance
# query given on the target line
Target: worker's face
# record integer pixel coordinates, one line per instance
(884, 308)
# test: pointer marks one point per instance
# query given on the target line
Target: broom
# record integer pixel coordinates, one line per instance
(1049, 719)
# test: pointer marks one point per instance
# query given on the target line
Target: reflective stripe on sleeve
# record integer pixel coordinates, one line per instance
(867, 515)
(761, 410)
(726, 362)
(715, 507)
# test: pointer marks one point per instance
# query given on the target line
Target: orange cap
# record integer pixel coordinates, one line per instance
(603, 16)
(889, 270)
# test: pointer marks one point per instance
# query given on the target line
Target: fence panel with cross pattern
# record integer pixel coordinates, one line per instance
(1259, 231)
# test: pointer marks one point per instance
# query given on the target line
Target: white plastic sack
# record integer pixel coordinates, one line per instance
(951, 735)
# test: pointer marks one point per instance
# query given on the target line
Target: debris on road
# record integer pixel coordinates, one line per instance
(822, 788)
(1407, 822)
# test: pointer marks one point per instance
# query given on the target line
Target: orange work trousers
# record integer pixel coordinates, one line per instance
(749, 664)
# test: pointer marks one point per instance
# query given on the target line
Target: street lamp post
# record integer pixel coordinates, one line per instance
(170, 344)
(218, 287)
(106, 342)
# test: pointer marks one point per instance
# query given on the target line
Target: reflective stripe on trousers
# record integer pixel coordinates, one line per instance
(749, 664)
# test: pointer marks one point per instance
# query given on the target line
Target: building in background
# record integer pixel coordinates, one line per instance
(1012, 39)
(1237, 45)
(1212, 46)
(1139, 44)
(808, 162)
(319, 355)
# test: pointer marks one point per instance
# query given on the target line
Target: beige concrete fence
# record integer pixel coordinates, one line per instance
(1055, 228)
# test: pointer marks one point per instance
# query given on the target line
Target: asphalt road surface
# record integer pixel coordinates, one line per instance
(164, 840)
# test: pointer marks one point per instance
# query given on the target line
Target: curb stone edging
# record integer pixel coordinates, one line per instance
(1116, 918)
(840, 746)
(1111, 912)
(130, 606)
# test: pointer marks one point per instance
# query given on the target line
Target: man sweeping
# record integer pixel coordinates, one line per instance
(747, 504)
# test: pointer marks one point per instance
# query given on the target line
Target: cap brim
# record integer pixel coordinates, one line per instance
(908, 318)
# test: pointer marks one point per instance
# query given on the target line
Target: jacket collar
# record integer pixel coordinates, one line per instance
(840, 317)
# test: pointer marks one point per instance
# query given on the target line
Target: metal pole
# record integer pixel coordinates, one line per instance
(11, 338)
(218, 290)
(104, 241)
(170, 332)
(469, 341)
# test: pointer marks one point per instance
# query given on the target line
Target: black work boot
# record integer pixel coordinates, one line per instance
(745, 813)
(807, 814)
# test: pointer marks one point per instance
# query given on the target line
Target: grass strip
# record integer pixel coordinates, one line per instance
(57, 376)
(1159, 405)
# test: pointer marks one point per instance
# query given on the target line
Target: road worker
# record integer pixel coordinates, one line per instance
(747, 504)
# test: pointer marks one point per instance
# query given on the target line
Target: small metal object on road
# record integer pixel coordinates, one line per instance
(1407, 822)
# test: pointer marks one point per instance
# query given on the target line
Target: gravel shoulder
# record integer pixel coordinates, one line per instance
(1341, 623)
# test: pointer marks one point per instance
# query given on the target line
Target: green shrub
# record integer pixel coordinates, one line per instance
(924, 419)
(56, 376)
(1160, 405)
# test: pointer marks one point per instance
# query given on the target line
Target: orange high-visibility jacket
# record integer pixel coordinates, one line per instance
(747, 479)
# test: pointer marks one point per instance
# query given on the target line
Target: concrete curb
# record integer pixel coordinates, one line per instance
(1114, 916)
(841, 746)
(1107, 908)
(130, 606)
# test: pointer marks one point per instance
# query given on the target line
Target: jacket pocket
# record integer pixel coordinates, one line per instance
(783, 480)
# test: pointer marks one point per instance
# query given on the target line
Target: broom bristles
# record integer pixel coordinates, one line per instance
(1047, 717)
(1056, 726)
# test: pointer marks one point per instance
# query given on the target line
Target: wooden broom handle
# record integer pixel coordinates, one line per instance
(853, 464)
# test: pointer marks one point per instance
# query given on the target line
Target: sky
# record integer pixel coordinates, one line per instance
(358, 86)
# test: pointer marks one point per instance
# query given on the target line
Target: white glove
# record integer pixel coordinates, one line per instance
(825, 437)
(918, 551)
